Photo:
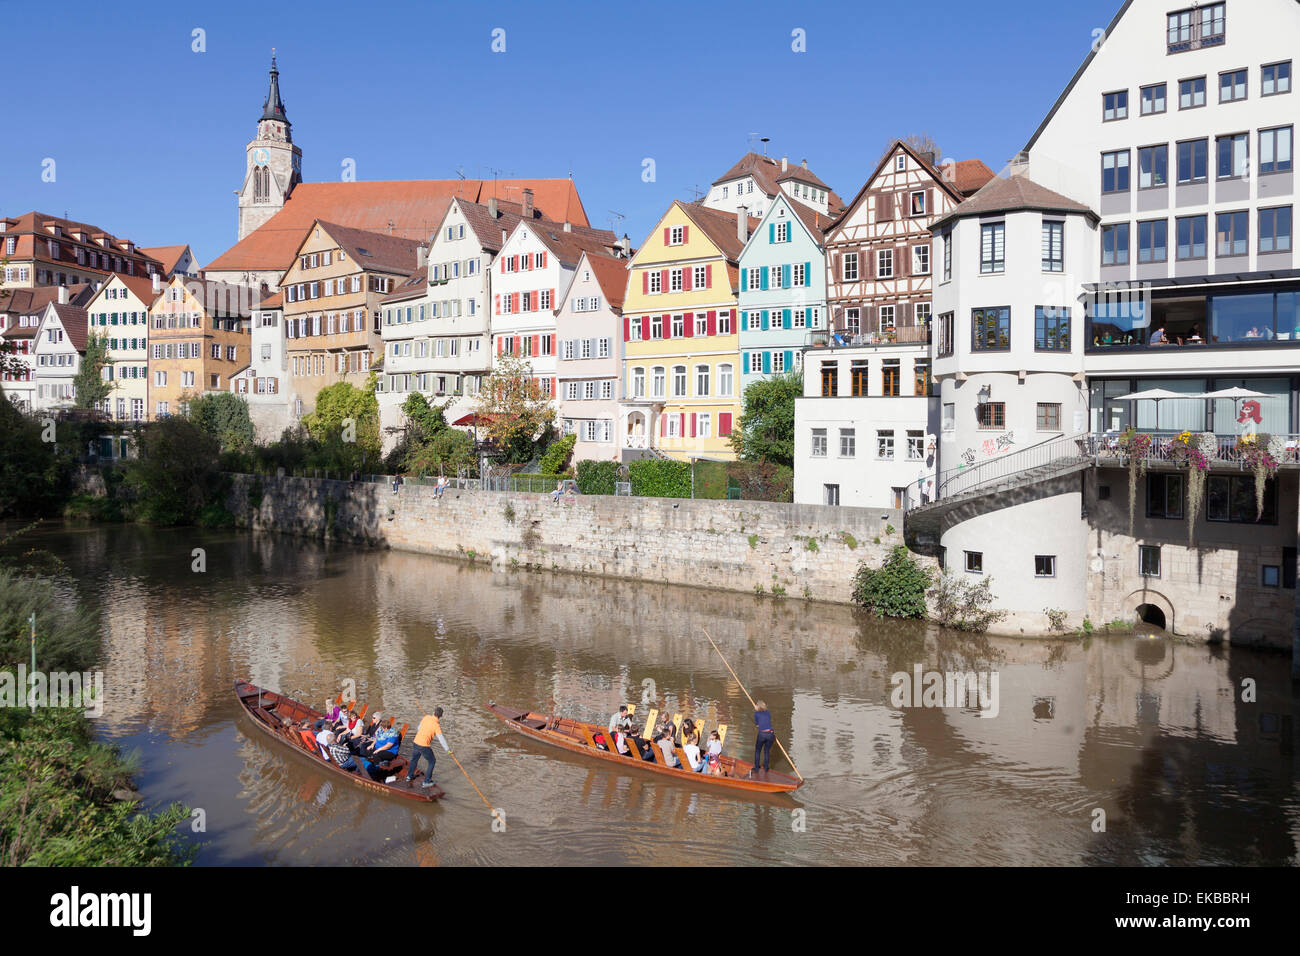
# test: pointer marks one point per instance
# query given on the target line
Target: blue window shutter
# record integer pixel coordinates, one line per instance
(744, 280)
(762, 278)
(807, 274)
(789, 360)
(785, 277)
(785, 318)
(765, 320)
(744, 362)
(767, 362)
(771, 232)
(744, 317)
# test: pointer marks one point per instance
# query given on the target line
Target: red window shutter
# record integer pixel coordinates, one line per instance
(668, 235)
(692, 424)
(686, 279)
(724, 424)
(645, 283)
(708, 276)
(518, 349)
(553, 392)
(553, 299)
(686, 234)
(713, 322)
(681, 423)
(514, 303)
(665, 326)
(537, 345)
(663, 425)
(663, 280)
(688, 324)
(496, 305)
(499, 345)
(627, 329)
(645, 328)
(543, 260)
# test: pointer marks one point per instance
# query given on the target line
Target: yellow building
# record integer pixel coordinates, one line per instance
(331, 306)
(681, 360)
(198, 338)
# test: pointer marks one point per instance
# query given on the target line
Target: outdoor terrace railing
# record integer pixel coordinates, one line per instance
(1108, 449)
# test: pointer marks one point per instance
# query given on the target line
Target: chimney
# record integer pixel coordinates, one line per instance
(804, 164)
(63, 295)
(625, 244)
(528, 204)
(492, 207)
(421, 256)
(785, 163)
(157, 283)
(929, 157)
(742, 223)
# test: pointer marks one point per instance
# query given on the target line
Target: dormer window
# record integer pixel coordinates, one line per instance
(1195, 28)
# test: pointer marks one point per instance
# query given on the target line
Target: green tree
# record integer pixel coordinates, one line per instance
(224, 416)
(895, 589)
(766, 428)
(175, 475)
(32, 477)
(89, 386)
(513, 410)
(424, 419)
(346, 422)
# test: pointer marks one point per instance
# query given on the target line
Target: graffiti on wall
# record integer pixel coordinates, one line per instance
(989, 448)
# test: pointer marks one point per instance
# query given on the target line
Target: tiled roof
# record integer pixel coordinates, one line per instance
(412, 208)
(31, 226)
(768, 174)
(412, 287)
(375, 250)
(142, 288)
(970, 175)
(217, 296)
(815, 221)
(568, 247)
(167, 255)
(720, 227)
(611, 274)
(1012, 194)
(27, 301)
(73, 318)
(273, 301)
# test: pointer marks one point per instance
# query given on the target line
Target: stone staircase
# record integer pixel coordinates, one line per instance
(923, 524)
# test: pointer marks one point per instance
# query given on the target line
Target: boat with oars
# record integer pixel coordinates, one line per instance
(281, 718)
(593, 740)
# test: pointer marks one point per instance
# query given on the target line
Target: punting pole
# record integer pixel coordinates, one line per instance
(452, 754)
(751, 700)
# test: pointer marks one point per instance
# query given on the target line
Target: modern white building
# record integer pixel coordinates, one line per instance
(865, 426)
(1143, 240)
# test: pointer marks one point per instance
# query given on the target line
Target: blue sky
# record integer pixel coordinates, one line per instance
(148, 136)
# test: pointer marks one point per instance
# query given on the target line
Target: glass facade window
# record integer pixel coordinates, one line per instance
(1232, 231)
(1153, 167)
(1232, 498)
(990, 329)
(1114, 244)
(1153, 241)
(1051, 329)
(1191, 237)
(1193, 159)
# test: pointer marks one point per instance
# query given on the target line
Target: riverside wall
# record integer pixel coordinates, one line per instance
(798, 551)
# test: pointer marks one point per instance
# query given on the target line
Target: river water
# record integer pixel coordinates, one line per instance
(1123, 749)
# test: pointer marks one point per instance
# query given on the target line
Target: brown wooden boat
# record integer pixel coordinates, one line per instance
(579, 737)
(280, 717)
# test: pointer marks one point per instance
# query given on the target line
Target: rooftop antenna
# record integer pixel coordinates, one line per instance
(765, 140)
(696, 192)
(615, 217)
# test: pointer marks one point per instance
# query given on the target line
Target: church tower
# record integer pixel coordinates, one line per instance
(273, 166)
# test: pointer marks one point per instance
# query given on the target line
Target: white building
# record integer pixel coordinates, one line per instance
(754, 181)
(865, 426)
(119, 313)
(589, 367)
(264, 383)
(1168, 162)
(59, 346)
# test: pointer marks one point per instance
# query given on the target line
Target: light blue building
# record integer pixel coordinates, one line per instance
(782, 289)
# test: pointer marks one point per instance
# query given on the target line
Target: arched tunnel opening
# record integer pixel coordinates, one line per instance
(1150, 614)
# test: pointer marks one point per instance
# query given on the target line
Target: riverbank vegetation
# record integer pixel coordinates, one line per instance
(895, 589)
(65, 799)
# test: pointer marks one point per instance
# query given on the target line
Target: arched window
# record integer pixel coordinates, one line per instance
(261, 184)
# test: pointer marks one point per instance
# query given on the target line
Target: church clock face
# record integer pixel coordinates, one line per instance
(261, 156)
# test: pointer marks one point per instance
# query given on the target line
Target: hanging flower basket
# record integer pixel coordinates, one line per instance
(1195, 452)
(1135, 445)
(1260, 454)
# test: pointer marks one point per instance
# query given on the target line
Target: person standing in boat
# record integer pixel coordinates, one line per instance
(766, 737)
(430, 727)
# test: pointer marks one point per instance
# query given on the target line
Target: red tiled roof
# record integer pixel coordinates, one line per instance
(73, 319)
(611, 274)
(141, 287)
(30, 226)
(414, 208)
(167, 255)
(768, 174)
(273, 301)
(970, 175)
(374, 250)
(27, 301)
(720, 227)
(1013, 194)
(412, 287)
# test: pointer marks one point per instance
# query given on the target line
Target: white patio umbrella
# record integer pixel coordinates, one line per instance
(1236, 393)
(1156, 395)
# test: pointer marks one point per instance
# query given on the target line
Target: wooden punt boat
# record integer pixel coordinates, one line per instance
(279, 716)
(579, 737)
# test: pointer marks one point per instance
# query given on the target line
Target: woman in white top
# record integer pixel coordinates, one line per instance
(692, 751)
(715, 749)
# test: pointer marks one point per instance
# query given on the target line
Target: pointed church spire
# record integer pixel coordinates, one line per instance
(273, 108)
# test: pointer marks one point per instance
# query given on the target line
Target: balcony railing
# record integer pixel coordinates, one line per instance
(842, 338)
(1106, 449)
(634, 441)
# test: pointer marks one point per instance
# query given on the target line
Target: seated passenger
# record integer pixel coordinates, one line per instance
(692, 751)
(714, 752)
(621, 720)
(325, 740)
(385, 747)
(666, 746)
(620, 743)
(342, 756)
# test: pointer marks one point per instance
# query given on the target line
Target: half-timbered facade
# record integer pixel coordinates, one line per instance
(878, 252)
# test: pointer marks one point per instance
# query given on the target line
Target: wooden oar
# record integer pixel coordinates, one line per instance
(751, 702)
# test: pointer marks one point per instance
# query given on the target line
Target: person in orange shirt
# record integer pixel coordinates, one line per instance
(430, 727)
